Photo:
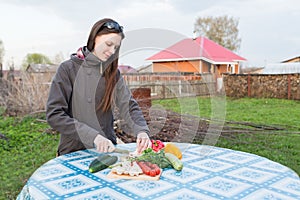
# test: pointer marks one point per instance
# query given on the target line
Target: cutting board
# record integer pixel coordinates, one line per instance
(139, 177)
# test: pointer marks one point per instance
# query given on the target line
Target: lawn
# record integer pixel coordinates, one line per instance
(29, 144)
(262, 111)
(278, 145)
(28, 148)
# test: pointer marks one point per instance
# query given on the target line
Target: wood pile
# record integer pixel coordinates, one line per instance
(263, 85)
(235, 86)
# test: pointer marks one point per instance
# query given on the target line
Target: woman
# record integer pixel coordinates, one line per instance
(87, 88)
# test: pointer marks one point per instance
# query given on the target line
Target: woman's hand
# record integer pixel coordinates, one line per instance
(103, 144)
(142, 142)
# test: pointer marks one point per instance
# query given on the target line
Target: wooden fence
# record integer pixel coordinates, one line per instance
(172, 85)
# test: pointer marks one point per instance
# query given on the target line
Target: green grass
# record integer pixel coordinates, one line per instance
(280, 146)
(29, 147)
(261, 111)
(265, 111)
(283, 148)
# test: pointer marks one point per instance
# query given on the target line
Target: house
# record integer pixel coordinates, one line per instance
(41, 73)
(45, 72)
(198, 55)
(41, 68)
(282, 68)
(292, 60)
(145, 69)
(126, 69)
(252, 70)
(289, 66)
(11, 74)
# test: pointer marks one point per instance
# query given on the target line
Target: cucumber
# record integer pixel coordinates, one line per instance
(99, 159)
(102, 157)
(102, 162)
(176, 163)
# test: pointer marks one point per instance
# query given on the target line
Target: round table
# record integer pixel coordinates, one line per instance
(208, 173)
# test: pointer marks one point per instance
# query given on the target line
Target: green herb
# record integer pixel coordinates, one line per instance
(158, 158)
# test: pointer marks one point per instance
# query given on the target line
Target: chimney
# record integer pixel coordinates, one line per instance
(194, 35)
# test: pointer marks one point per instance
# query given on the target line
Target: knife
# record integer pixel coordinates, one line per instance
(123, 151)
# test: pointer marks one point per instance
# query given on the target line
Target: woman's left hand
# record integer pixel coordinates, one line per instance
(142, 142)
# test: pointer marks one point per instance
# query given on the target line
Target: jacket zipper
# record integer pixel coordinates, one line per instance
(101, 69)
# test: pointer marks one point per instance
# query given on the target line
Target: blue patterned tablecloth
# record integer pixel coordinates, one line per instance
(208, 173)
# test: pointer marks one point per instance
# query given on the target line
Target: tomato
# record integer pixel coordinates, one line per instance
(157, 170)
(152, 173)
(154, 167)
(146, 169)
(147, 172)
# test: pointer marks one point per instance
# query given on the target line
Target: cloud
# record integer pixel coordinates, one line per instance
(268, 28)
(187, 7)
(34, 30)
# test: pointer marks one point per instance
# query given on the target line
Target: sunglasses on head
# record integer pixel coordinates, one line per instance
(113, 25)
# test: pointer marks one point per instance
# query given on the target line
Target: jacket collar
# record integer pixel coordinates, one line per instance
(90, 60)
(86, 58)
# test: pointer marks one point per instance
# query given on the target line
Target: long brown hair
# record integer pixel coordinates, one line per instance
(111, 71)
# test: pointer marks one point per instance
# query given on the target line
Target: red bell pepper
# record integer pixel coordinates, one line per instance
(157, 145)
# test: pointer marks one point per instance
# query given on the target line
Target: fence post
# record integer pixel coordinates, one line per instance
(249, 89)
(289, 86)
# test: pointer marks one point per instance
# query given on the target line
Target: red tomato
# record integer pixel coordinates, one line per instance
(153, 167)
(152, 173)
(146, 169)
(157, 170)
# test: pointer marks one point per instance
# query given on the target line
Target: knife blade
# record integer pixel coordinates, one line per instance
(123, 151)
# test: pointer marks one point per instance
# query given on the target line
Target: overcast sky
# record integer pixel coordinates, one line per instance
(269, 29)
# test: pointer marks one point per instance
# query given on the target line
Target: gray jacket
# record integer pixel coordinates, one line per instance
(76, 90)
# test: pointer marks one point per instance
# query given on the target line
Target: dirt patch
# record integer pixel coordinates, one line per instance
(171, 126)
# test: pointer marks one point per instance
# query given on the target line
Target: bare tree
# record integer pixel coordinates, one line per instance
(59, 57)
(222, 30)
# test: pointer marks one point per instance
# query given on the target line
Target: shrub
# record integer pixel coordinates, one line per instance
(27, 95)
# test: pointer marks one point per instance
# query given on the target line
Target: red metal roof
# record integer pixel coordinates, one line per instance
(126, 69)
(199, 48)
